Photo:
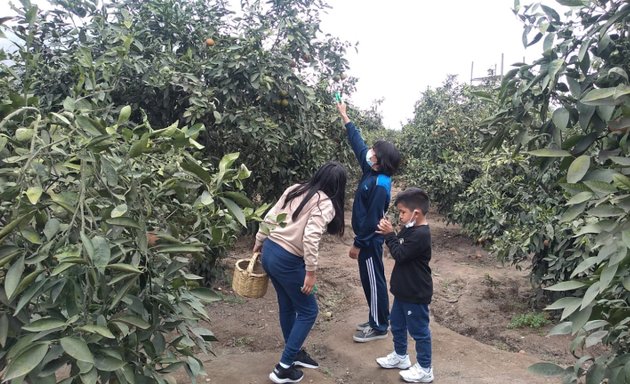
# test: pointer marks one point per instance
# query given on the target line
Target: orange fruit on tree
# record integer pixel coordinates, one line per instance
(284, 102)
(209, 42)
(152, 239)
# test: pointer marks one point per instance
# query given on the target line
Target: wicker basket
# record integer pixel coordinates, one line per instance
(250, 279)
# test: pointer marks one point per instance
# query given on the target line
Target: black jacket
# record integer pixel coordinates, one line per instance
(411, 277)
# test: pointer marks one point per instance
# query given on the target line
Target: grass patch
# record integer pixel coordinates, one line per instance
(529, 320)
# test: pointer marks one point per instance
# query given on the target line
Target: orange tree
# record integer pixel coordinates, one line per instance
(571, 110)
(261, 83)
(441, 142)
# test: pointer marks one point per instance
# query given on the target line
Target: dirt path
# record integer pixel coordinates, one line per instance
(474, 300)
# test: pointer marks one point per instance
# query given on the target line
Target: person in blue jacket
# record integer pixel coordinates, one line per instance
(371, 201)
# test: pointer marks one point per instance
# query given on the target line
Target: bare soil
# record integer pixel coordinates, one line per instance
(474, 301)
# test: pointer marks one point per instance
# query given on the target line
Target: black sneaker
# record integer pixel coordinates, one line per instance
(369, 334)
(286, 375)
(362, 326)
(303, 359)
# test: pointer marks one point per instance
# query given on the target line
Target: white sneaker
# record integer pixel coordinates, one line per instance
(393, 360)
(417, 374)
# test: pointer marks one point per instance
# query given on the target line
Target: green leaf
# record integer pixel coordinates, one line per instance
(566, 286)
(239, 198)
(77, 348)
(68, 104)
(51, 228)
(564, 303)
(206, 198)
(13, 277)
(227, 161)
(179, 249)
(123, 222)
(33, 194)
(598, 96)
(101, 330)
(123, 291)
(626, 283)
(563, 328)
(67, 264)
(606, 210)
(139, 147)
(600, 188)
(623, 161)
(123, 268)
(90, 377)
(107, 363)
(26, 361)
(235, 210)
(555, 66)
(90, 126)
(560, 118)
(7, 229)
(546, 369)
(205, 294)
(572, 212)
(189, 164)
(578, 169)
(591, 294)
(87, 244)
(548, 152)
(119, 210)
(43, 325)
(585, 264)
(621, 181)
(29, 234)
(4, 330)
(607, 276)
(550, 12)
(133, 320)
(580, 198)
(102, 252)
(568, 304)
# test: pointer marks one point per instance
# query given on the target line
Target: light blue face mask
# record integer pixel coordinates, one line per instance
(368, 157)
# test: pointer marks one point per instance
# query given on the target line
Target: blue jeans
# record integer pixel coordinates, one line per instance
(414, 318)
(297, 311)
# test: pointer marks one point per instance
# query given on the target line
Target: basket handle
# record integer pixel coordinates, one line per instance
(252, 262)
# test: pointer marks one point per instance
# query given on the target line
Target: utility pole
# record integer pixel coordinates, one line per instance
(472, 66)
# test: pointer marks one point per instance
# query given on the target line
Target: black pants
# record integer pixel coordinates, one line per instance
(372, 273)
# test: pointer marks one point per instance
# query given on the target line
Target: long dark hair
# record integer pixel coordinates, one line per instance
(330, 178)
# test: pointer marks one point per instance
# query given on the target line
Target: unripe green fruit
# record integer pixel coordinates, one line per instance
(24, 134)
(125, 112)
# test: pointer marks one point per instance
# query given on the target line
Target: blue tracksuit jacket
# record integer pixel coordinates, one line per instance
(372, 197)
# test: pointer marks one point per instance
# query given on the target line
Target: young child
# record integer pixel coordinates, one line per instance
(411, 284)
(371, 201)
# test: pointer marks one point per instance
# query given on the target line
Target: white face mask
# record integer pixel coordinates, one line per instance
(368, 157)
(411, 222)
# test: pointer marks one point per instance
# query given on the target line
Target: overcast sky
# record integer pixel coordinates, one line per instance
(406, 46)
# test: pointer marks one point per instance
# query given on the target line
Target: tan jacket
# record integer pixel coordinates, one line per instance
(300, 237)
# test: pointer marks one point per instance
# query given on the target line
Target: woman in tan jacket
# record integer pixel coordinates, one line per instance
(290, 254)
